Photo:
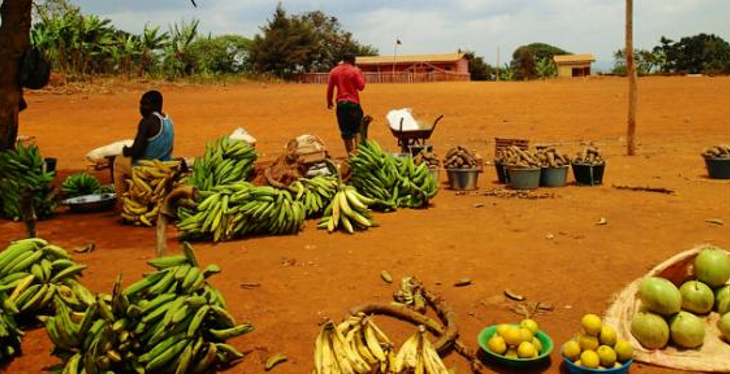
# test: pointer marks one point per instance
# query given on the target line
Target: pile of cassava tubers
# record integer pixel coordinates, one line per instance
(590, 156)
(550, 158)
(517, 157)
(718, 151)
(430, 158)
(461, 158)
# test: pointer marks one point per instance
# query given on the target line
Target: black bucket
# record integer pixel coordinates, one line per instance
(588, 175)
(554, 177)
(502, 174)
(49, 164)
(718, 168)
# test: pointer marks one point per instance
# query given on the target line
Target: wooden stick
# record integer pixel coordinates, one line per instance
(632, 77)
(645, 189)
(27, 210)
(448, 333)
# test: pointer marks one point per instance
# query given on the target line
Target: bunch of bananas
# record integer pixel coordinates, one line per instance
(151, 181)
(239, 209)
(417, 355)
(22, 169)
(316, 193)
(80, 184)
(348, 210)
(356, 345)
(225, 161)
(40, 277)
(392, 182)
(415, 185)
(171, 321)
(10, 336)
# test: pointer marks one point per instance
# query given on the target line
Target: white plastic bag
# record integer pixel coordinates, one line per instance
(409, 123)
(98, 155)
(241, 134)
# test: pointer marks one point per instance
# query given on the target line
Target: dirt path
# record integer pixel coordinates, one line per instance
(549, 249)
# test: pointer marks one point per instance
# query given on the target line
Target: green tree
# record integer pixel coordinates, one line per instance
(226, 54)
(15, 26)
(152, 42)
(702, 53)
(177, 62)
(478, 69)
(285, 48)
(290, 45)
(330, 42)
(525, 58)
(647, 62)
(545, 68)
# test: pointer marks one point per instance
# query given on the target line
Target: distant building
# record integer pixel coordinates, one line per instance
(448, 62)
(570, 66)
(407, 69)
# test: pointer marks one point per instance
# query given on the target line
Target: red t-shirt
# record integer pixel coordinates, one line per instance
(348, 80)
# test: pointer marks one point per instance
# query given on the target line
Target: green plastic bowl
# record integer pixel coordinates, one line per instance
(547, 347)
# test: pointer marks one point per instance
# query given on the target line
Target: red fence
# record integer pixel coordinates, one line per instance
(405, 77)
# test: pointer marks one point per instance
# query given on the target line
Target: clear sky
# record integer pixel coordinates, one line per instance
(434, 26)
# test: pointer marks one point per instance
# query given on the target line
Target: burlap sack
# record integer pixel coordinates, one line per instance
(713, 356)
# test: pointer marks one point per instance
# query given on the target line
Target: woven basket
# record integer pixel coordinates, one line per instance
(713, 356)
(501, 143)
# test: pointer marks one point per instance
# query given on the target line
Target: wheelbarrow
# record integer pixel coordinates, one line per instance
(410, 139)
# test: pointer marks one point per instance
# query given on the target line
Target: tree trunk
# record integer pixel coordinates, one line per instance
(14, 40)
(631, 74)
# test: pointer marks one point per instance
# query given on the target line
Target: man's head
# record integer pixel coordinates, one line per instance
(151, 102)
(348, 58)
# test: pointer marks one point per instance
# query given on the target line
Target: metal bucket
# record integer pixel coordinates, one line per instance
(588, 174)
(718, 168)
(554, 177)
(524, 178)
(463, 179)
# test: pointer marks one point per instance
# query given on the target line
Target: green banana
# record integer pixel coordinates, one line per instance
(224, 334)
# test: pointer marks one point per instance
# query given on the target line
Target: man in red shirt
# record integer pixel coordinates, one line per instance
(349, 80)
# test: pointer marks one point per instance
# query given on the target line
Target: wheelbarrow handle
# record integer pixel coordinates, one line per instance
(436, 122)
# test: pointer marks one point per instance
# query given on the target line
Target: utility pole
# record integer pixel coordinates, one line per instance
(498, 62)
(632, 77)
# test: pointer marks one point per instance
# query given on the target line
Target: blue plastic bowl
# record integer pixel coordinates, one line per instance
(547, 347)
(575, 369)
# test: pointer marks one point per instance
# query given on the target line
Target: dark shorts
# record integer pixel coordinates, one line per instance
(349, 117)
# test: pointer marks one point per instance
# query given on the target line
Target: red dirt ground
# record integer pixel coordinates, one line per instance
(498, 243)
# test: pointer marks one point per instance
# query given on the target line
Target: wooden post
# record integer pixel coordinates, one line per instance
(160, 237)
(27, 211)
(14, 39)
(632, 77)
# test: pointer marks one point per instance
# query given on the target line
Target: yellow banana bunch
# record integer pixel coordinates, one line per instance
(358, 346)
(151, 181)
(170, 321)
(417, 355)
(348, 210)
